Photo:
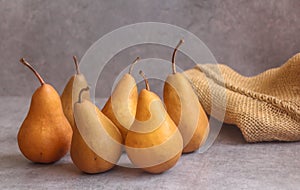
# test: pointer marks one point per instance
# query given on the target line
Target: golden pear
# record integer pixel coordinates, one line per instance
(45, 134)
(184, 108)
(71, 92)
(153, 142)
(96, 141)
(121, 106)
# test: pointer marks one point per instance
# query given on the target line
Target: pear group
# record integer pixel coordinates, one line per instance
(153, 133)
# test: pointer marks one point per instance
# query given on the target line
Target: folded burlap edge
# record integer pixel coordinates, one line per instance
(290, 109)
(264, 131)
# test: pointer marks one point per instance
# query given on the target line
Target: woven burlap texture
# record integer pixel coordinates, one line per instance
(265, 107)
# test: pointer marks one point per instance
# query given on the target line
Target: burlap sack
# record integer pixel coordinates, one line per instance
(265, 107)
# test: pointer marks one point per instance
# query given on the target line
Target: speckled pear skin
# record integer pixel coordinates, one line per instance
(155, 146)
(184, 108)
(96, 142)
(121, 106)
(70, 95)
(45, 135)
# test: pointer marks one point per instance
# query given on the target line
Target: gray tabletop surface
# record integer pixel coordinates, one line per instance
(230, 163)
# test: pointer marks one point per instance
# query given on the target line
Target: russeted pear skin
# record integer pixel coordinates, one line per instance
(45, 134)
(184, 108)
(121, 106)
(153, 142)
(96, 142)
(71, 92)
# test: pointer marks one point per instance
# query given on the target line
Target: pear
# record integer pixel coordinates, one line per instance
(45, 134)
(71, 92)
(153, 142)
(184, 108)
(121, 106)
(96, 141)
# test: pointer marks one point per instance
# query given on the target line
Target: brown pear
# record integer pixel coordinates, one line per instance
(45, 134)
(185, 109)
(71, 92)
(96, 142)
(153, 142)
(121, 106)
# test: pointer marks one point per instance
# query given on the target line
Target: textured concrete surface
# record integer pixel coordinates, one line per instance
(249, 36)
(229, 164)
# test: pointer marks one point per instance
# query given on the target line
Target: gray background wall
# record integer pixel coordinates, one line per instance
(249, 36)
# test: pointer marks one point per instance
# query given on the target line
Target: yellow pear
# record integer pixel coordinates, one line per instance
(71, 92)
(96, 141)
(121, 106)
(153, 142)
(45, 134)
(184, 108)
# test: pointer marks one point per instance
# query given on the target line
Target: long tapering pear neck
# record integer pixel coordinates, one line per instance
(80, 93)
(174, 54)
(76, 65)
(22, 60)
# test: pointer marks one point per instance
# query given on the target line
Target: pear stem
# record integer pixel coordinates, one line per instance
(174, 54)
(145, 79)
(132, 65)
(76, 64)
(22, 60)
(80, 93)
